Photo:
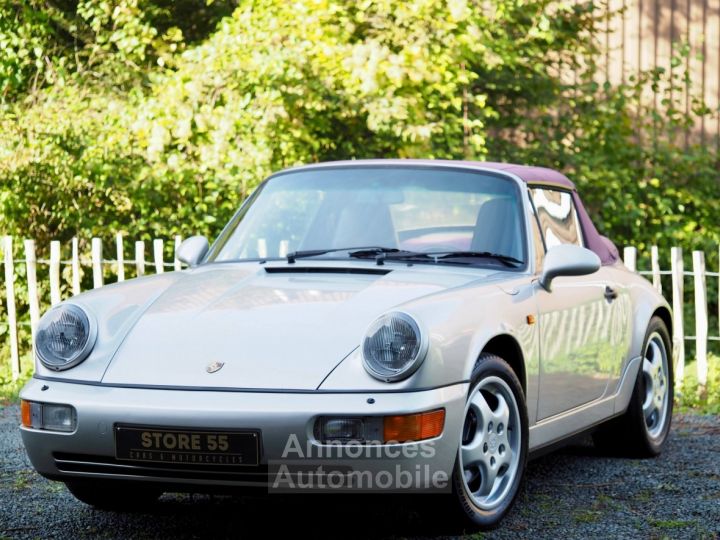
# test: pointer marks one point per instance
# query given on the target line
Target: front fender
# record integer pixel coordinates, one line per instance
(459, 323)
(115, 308)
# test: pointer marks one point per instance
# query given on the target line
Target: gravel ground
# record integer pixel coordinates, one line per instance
(572, 493)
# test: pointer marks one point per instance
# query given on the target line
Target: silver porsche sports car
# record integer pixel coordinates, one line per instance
(382, 325)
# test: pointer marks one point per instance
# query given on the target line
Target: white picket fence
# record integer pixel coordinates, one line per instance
(54, 264)
(699, 275)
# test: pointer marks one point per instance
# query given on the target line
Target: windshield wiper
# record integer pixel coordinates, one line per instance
(374, 250)
(507, 260)
(434, 256)
(380, 254)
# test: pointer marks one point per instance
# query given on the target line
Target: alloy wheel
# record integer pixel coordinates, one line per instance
(657, 389)
(491, 442)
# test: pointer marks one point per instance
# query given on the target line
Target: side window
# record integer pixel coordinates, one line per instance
(558, 218)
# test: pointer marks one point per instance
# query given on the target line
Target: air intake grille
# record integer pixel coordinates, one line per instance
(325, 270)
(81, 463)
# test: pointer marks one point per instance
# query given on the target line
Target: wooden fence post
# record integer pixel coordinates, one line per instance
(120, 257)
(678, 288)
(158, 255)
(31, 271)
(140, 258)
(630, 258)
(262, 248)
(283, 248)
(178, 264)
(12, 315)
(75, 264)
(701, 319)
(97, 263)
(54, 272)
(655, 263)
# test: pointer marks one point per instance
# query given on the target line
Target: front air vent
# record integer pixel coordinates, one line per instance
(292, 269)
(109, 466)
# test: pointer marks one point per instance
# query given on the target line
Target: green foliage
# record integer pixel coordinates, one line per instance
(162, 123)
(641, 181)
(28, 44)
(10, 389)
(696, 399)
(156, 117)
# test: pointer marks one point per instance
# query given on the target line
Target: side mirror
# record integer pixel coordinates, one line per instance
(192, 250)
(568, 260)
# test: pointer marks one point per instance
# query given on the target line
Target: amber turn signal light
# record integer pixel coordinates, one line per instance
(414, 427)
(26, 413)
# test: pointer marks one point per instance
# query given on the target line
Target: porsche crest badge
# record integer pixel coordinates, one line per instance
(215, 366)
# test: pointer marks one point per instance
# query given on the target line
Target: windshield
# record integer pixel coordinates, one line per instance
(413, 209)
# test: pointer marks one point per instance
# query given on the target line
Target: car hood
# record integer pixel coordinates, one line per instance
(271, 327)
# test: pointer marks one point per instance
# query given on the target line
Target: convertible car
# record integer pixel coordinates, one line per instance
(381, 325)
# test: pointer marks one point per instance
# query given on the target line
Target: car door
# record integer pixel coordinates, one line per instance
(575, 319)
(614, 351)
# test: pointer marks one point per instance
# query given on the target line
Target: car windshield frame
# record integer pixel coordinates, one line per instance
(478, 262)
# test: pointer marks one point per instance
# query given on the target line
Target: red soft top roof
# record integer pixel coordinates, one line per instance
(526, 173)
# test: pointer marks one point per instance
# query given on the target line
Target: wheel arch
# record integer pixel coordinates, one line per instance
(507, 347)
(664, 313)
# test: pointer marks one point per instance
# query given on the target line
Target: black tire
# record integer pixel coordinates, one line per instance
(476, 517)
(629, 435)
(114, 495)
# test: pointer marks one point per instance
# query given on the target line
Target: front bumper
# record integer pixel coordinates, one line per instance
(285, 421)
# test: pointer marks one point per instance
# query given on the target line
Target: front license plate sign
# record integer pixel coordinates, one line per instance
(186, 446)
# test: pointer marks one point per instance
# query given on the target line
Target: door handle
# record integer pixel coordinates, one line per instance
(610, 293)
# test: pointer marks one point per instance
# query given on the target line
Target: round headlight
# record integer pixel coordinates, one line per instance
(65, 337)
(393, 347)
